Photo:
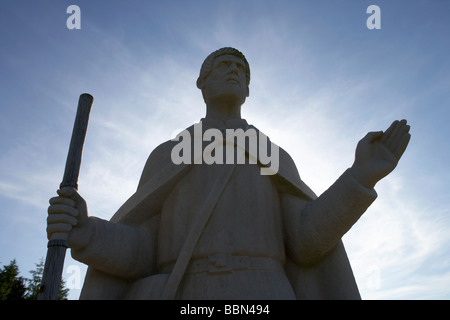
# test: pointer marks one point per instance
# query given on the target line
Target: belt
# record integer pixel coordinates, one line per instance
(224, 263)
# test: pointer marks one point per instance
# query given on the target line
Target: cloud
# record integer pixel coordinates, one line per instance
(399, 238)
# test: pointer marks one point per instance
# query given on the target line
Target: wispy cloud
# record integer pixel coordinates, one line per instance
(398, 238)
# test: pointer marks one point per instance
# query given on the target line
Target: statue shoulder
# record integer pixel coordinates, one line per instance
(287, 167)
(288, 177)
(158, 159)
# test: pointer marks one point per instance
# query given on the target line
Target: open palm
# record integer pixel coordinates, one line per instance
(378, 153)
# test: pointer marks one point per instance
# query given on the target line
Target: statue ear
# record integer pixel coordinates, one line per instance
(200, 83)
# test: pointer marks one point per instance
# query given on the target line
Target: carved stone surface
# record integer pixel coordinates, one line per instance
(207, 223)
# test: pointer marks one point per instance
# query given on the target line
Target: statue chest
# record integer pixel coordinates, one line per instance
(246, 219)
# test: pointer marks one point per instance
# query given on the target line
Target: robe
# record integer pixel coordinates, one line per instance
(330, 277)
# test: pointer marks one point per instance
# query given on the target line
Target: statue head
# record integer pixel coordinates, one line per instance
(209, 61)
(228, 55)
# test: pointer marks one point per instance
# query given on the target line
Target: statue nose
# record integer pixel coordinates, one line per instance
(233, 68)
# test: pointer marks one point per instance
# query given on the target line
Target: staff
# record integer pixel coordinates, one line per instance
(57, 245)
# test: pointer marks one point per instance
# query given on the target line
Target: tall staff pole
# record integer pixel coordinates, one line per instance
(57, 245)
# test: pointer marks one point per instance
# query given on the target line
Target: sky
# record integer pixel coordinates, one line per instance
(320, 80)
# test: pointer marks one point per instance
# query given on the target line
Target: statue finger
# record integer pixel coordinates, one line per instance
(402, 130)
(61, 218)
(62, 200)
(58, 228)
(71, 193)
(394, 135)
(401, 145)
(67, 192)
(62, 208)
(388, 132)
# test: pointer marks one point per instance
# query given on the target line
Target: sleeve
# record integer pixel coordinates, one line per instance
(117, 249)
(312, 228)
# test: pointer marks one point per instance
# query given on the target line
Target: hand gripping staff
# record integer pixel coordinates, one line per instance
(57, 245)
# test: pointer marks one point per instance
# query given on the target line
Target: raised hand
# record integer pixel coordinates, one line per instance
(378, 153)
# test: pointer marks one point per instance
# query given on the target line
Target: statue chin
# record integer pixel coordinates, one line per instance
(231, 97)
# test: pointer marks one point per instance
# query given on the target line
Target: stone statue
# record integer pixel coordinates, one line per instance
(224, 230)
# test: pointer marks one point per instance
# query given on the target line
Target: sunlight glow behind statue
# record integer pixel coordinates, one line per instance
(216, 227)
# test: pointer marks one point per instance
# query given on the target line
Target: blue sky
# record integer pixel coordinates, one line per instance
(320, 81)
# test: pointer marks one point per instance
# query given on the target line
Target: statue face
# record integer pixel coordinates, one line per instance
(227, 80)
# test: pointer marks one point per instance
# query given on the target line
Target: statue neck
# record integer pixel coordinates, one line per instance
(222, 111)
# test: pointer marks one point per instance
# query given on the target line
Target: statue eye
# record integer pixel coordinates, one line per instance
(223, 64)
